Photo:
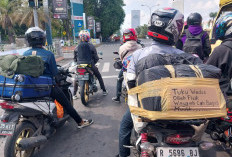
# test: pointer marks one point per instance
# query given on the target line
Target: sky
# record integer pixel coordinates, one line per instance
(204, 7)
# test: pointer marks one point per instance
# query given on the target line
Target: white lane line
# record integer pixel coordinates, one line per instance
(113, 76)
(118, 69)
(106, 67)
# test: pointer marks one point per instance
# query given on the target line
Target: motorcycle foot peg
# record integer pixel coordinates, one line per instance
(128, 146)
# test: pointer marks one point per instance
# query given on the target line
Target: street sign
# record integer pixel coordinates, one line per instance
(90, 21)
(60, 9)
(80, 24)
(98, 26)
(64, 33)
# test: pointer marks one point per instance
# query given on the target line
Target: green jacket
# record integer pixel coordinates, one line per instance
(27, 65)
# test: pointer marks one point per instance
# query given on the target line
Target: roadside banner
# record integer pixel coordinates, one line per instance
(98, 27)
(60, 9)
(90, 21)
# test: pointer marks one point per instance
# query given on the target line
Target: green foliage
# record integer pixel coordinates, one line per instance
(142, 31)
(109, 12)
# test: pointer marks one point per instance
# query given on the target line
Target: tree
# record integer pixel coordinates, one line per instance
(8, 16)
(213, 15)
(109, 12)
(142, 31)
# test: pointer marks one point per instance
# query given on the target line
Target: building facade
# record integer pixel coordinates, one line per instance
(135, 18)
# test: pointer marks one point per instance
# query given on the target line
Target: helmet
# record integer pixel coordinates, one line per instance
(129, 34)
(35, 36)
(223, 27)
(84, 35)
(166, 25)
(194, 19)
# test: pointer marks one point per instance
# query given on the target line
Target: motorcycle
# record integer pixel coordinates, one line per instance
(87, 82)
(30, 123)
(168, 138)
(118, 65)
(221, 130)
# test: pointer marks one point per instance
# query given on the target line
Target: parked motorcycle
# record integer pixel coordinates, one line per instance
(170, 139)
(30, 123)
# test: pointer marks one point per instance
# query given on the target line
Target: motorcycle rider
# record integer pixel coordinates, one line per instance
(221, 56)
(86, 53)
(36, 39)
(130, 45)
(165, 29)
(195, 39)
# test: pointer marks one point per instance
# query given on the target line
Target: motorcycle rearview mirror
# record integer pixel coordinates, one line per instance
(115, 53)
(100, 53)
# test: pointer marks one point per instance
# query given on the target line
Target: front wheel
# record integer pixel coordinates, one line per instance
(23, 130)
(84, 93)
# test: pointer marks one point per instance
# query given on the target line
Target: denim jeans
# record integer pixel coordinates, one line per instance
(119, 84)
(126, 127)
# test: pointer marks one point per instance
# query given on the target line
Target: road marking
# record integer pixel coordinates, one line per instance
(118, 69)
(106, 67)
(113, 76)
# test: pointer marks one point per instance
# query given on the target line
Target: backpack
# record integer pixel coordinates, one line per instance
(84, 53)
(193, 44)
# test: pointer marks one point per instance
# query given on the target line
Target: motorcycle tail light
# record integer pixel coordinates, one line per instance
(4, 121)
(81, 70)
(5, 105)
(178, 139)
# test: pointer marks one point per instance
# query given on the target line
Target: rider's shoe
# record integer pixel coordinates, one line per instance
(75, 97)
(105, 92)
(116, 99)
(85, 123)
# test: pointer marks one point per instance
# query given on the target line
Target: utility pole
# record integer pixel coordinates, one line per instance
(36, 21)
(48, 22)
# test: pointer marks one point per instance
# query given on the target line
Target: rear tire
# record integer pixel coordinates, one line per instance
(84, 93)
(22, 130)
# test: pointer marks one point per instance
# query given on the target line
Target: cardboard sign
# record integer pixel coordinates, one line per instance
(193, 98)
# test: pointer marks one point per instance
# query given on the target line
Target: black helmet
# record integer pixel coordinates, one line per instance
(166, 25)
(194, 19)
(35, 37)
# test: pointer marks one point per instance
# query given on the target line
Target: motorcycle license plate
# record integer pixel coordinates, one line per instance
(177, 152)
(83, 77)
(7, 129)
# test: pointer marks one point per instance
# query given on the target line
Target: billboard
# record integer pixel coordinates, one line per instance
(60, 9)
(90, 21)
(135, 18)
(77, 15)
(98, 27)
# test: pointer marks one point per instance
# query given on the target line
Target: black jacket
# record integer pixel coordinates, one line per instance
(85, 53)
(221, 57)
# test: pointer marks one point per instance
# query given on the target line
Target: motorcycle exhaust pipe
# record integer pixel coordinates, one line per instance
(31, 142)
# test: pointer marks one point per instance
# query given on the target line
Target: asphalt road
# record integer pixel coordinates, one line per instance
(101, 138)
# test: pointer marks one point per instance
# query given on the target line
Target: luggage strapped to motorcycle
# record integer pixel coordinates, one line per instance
(208, 92)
